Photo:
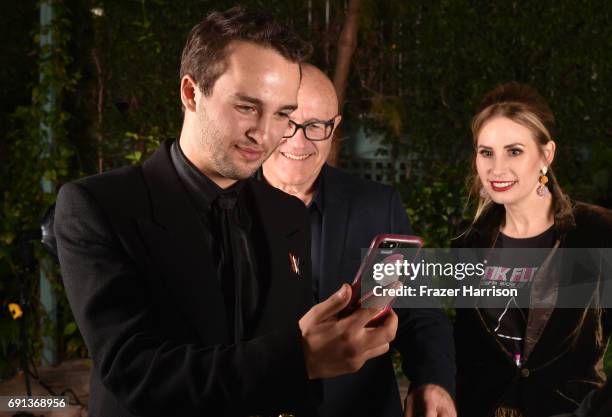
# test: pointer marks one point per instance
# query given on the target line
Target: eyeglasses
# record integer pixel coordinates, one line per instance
(314, 131)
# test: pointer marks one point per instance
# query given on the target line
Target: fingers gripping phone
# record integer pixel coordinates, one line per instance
(385, 248)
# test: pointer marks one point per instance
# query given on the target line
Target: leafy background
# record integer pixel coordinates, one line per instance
(418, 73)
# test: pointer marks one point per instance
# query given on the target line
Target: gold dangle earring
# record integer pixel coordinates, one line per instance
(542, 189)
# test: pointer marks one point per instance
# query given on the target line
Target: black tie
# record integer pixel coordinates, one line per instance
(236, 266)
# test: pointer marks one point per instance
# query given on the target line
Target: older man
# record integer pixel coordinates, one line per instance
(345, 214)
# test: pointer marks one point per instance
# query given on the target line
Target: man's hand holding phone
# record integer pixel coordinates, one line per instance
(336, 346)
(383, 251)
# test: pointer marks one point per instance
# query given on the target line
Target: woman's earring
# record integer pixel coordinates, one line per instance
(483, 193)
(542, 189)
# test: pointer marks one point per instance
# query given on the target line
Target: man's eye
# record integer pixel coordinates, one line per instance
(283, 115)
(245, 109)
(486, 153)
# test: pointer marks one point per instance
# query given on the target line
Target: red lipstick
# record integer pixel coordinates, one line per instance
(500, 186)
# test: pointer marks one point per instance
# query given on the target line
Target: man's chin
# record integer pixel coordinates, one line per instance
(241, 172)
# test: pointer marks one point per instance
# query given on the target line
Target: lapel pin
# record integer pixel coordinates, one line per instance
(295, 263)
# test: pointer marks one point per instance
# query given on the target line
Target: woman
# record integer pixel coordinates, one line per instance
(517, 360)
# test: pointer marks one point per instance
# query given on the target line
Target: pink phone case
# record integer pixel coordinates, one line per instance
(356, 299)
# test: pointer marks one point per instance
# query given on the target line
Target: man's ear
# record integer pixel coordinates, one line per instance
(336, 123)
(188, 93)
(549, 152)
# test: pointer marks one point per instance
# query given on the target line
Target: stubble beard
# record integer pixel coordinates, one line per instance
(222, 152)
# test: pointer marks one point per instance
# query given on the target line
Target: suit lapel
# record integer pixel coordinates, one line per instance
(336, 214)
(544, 294)
(570, 281)
(287, 263)
(176, 239)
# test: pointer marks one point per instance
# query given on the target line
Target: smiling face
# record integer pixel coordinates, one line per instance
(229, 133)
(508, 161)
(297, 161)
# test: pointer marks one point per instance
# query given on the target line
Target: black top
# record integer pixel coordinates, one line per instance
(545, 239)
(315, 210)
(225, 212)
(514, 270)
(517, 269)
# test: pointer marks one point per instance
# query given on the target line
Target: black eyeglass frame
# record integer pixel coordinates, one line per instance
(331, 122)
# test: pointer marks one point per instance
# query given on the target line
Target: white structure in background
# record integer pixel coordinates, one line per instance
(361, 155)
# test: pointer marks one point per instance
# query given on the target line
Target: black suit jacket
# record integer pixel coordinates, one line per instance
(356, 210)
(145, 295)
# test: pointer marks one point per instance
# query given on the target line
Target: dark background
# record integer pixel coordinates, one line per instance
(418, 73)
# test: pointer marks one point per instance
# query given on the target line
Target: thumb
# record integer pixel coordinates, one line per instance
(409, 410)
(333, 305)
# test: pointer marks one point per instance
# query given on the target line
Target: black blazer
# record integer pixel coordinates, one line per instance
(149, 306)
(564, 347)
(356, 210)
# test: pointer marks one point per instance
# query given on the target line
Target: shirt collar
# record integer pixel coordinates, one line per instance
(202, 190)
(318, 195)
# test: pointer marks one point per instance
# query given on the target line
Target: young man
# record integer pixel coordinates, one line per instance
(189, 281)
(345, 214)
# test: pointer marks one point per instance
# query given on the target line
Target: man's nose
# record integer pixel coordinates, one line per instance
(262, 130)
(298, 141)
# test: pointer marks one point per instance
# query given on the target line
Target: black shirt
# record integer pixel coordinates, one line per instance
(225, 213)
(315, 211)
(510, 323)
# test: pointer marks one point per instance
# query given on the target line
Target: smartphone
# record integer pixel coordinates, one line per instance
(385, 248)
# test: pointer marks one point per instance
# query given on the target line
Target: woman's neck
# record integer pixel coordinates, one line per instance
(528, 218)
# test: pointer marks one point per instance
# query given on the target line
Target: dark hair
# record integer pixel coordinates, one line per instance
(203, 56)
(523, 105)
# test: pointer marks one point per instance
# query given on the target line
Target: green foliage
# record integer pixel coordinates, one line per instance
(34, 160)
(435, 209)
(422, 68)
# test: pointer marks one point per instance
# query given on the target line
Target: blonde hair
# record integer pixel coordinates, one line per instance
(523, 105)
